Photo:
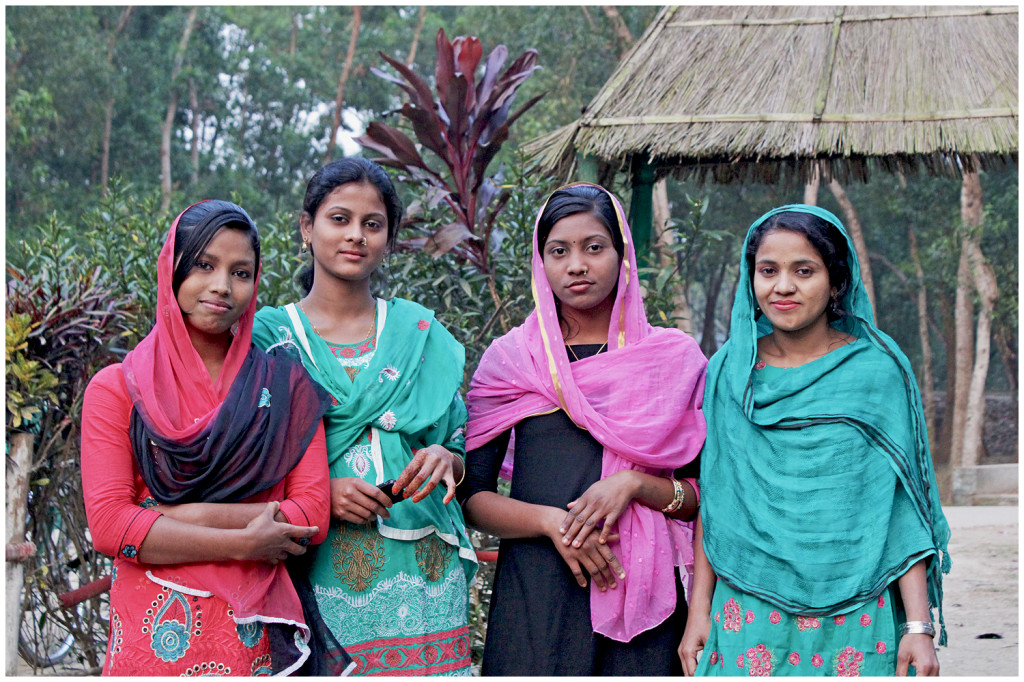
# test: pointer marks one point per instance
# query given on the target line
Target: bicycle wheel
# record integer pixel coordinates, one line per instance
(42, 641)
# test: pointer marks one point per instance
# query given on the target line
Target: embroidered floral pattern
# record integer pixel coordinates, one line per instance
(760, 658)
(880, 647)
(865, 620)
(264, 398)
(760, 364)
(148, 503)
(207, 669)
(733, 620)
(358, 556)
(129, 551)
(262, 667)
(839, 620)
(794, 658)
(807, 623)
(387, 420)
(423, 325)
(170, 640)
(817, 660)
(433, 556)
(847, 662)
(750, 617)
(774, 617)
(714, 657)
(881, 601)
(740, 661)
(172, 625)
(390, 373)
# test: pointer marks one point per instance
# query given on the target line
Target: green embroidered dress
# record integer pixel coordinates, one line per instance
(393, 592)
(817, 494)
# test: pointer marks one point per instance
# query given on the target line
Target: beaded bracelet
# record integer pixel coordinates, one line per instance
(917, 627)
(678, 495)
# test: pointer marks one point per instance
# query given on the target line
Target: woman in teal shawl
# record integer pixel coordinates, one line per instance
(821, 543)
(391, 579)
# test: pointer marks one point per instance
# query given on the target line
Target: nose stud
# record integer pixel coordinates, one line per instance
(363, 242)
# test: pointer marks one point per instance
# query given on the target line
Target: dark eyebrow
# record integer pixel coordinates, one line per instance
(596, 235)
(805, 261)
(346, 209)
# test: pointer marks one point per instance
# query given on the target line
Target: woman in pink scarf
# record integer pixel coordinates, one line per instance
(604, 413)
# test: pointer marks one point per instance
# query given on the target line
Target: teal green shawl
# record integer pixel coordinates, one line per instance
(406, 395)
(817, 485)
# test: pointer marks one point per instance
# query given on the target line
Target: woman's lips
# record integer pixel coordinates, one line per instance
(784, 305)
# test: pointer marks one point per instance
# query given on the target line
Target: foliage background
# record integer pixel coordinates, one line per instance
(263, 82)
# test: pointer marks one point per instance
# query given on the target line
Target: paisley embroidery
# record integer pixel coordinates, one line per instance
(390, 373)
(358, 458)
(170, 638)
(264, 398)
(250, 634)
(433, 556)
(358, 556)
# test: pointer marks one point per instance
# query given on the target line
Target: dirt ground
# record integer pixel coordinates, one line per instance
(982, 593)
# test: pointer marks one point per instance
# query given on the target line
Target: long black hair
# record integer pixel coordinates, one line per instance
(826, 239)
(341, 172)
(197, 227)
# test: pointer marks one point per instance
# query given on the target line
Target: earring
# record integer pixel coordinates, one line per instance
(304, 248)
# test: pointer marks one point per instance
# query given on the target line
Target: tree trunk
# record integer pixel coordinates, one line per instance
(811, 188)
(984, 281)
(295, 34)
(172, 107)
(19, 464)
(623, 36)
(108, 107)
(947, 317)
(927, 372)
(853, 227)
(193, 102)
(964, 323)
(708, 342)
(339, 99)
(661, 236)
(421, 19)
(1008, 356)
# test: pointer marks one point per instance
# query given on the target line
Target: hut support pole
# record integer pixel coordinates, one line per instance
(19, 463)
(586, 169)
(641, 206)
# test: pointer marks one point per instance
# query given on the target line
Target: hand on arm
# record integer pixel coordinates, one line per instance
(916, 649)
(262, 539)
(603, 502)
(698, 619)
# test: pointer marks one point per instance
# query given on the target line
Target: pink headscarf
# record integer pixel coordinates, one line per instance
(166, 377)
(641, 401)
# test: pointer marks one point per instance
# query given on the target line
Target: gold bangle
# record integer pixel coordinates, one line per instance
(678, 495)
(463, 478)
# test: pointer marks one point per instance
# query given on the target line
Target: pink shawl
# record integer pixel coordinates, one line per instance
(641, 401)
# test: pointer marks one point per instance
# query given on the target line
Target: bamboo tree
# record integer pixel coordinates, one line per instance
(172, 107)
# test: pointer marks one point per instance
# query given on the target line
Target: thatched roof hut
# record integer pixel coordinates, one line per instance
(764, 93)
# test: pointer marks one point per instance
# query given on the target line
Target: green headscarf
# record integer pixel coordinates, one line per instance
(406, 391)
(799, 501)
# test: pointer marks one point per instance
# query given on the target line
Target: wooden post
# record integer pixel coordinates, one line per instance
(19, 464)
(641, 207)
(586, 169)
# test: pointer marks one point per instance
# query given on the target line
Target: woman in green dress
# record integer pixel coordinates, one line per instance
(391, 579)
(820, 544)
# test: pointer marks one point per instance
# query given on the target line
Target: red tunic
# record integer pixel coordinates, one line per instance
(168, 627)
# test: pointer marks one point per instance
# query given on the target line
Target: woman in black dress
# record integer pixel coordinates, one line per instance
(605, 415)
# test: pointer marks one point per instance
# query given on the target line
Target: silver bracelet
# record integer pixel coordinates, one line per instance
(678, 495)
(917, 627)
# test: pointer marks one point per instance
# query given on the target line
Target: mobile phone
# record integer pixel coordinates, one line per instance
(385, 488)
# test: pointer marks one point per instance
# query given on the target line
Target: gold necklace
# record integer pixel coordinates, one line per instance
(578, 357)
(369, 333)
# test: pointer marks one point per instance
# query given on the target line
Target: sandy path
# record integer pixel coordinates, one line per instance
(981, 592)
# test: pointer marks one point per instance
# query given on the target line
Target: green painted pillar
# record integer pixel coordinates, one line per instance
(641, 207)
(586, 169)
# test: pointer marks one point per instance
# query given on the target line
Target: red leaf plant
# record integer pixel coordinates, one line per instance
(464, 126)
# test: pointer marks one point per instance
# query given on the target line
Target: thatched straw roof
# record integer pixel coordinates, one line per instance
(760, 92)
